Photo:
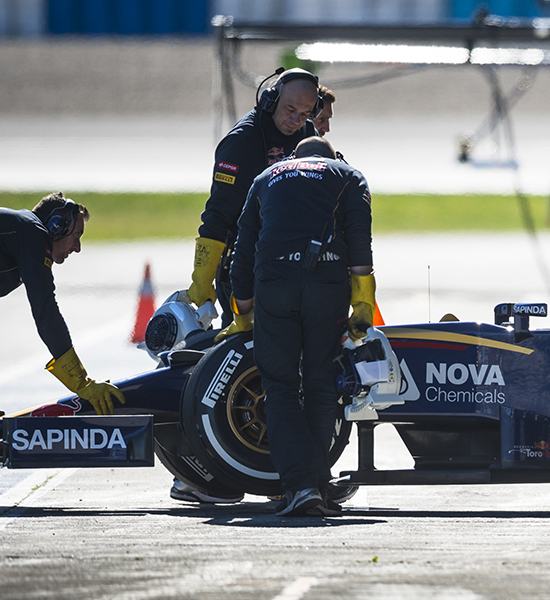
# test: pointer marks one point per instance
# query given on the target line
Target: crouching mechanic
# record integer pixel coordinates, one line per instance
(303, 255)
(30, 241)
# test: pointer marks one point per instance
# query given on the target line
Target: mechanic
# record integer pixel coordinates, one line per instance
(322, 122)
(264, 136)
(30, 241)
(303, 255)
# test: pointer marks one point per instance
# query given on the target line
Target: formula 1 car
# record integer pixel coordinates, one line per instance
(471, 402)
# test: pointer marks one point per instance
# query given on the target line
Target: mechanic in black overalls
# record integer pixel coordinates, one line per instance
(303, 254)
(30, 242)
(267, 134)
(264, 136)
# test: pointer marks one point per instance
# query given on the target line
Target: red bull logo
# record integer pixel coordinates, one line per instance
(275, 155)
(66, 408)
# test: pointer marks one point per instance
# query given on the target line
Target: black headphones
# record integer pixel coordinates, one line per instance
(270, 96)
(62, 220)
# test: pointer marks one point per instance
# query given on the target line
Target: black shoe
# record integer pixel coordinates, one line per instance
(295, 504)
(340, 493)
(182, 491)
(328, 508)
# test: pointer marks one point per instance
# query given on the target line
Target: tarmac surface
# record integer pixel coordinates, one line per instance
(115, 533)
(70, 120)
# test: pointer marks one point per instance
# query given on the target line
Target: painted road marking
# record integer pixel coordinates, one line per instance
(297, 588)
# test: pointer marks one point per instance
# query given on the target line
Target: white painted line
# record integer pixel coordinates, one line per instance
(36, 485)
(297, 589)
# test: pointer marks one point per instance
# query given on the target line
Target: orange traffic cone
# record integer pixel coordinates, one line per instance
(378, 319)
(145, 309)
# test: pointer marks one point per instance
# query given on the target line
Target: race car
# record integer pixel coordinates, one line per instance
(471, 402)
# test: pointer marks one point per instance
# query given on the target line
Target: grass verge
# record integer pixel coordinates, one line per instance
(133, 216)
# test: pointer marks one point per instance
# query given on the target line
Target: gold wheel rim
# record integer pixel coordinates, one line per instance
(246, 411)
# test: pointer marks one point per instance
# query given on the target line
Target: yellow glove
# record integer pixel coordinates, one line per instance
(239, 324)
(362, 301)
(207, 256)
(69, 370)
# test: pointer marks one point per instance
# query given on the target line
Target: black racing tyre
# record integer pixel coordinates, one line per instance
(199, 340)
(172, 446)
(187, 468)
(223, 415)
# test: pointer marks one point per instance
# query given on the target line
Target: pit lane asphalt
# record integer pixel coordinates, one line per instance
(115, 533)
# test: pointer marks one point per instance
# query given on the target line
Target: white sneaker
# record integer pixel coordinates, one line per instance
(182, 491)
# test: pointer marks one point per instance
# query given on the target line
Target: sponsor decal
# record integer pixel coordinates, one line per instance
(224, 178)
(67, 439)
(67, 408)
(437, 394)
(391, 371)
(539, 310)
(409, 390)
(275, 155)
(221, 378)
(539, 450)
(439, 377)
(228, 166)
(297, 165)
(458, 374)
(78, 441)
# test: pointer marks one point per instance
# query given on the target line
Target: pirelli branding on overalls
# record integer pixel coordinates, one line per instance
(221, 378)
(225, 177)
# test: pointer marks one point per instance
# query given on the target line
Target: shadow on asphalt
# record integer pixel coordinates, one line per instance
(243, 515)
(261, 514)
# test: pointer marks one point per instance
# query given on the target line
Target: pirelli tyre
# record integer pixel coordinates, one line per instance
(172, 447)
(223, 416)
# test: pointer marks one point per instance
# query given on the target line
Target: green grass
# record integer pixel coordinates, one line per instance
(129, 216)
(416, 212)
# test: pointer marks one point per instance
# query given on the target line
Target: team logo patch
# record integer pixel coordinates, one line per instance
(228, 166)
(224, 178)
(274, 155)
(48, 262)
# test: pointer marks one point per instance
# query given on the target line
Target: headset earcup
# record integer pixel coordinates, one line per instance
(60, 225)
(268, 99)
(318, 109)
(57, 226)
